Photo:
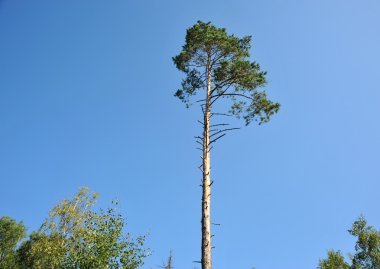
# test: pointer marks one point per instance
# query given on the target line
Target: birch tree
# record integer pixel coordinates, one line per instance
(367, 249)
(217, 66)
(75, 236)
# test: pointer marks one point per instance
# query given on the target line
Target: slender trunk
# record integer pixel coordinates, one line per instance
(206, 195)
(170, 260)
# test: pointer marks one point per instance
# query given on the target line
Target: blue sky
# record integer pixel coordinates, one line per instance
(86, 99)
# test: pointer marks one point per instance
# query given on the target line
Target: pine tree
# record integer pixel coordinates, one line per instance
(218, 64)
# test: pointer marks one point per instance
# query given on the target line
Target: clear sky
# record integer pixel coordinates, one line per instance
(86, 99)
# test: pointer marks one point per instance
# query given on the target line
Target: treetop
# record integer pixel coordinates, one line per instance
(211, 54)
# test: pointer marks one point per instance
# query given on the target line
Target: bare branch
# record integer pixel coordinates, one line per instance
(224, 130)
(203, 109)
(200, 143)
(222, 114)
(212, 141)
(220, 124)
(233, 94)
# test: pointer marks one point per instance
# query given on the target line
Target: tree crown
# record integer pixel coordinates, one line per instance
(367, 249)
(77, 236)
(209, 52)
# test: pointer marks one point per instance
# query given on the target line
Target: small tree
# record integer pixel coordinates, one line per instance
(218, 64)
(75, 236)
(367, 247)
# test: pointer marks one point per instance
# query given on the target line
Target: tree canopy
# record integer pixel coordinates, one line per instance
(233, 75)
(75, 236)
(367, 249)
(11, 233)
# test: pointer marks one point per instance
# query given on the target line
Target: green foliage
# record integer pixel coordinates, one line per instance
(367, 249)
(334, 260)
(233, 76)
(367, 246)
(75, 236)
(11, 233)
(41, 251)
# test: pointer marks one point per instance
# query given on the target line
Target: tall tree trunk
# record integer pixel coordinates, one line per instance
(206, 195)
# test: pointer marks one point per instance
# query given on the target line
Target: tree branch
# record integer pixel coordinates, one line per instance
(220, 94)
(212, 141)
(232, 94)
(220, 124)
(200, 143)
(225, 130)
(222, 114)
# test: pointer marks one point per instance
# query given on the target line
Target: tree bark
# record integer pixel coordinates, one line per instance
(206, 194)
